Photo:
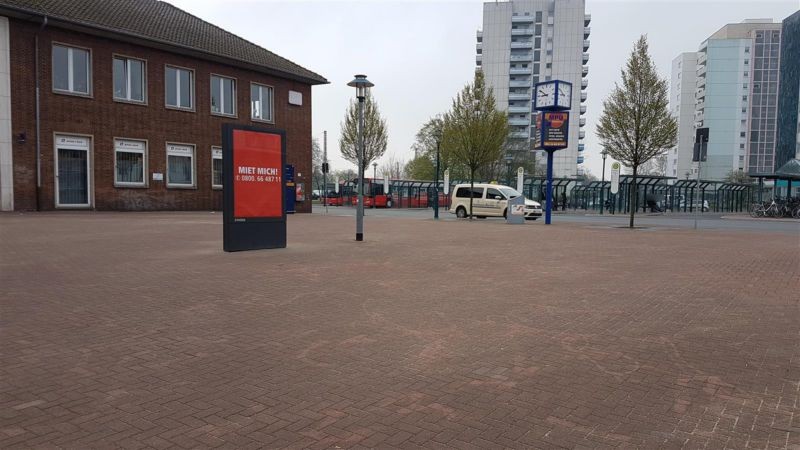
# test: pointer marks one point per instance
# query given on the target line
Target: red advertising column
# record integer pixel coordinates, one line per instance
(254, 216)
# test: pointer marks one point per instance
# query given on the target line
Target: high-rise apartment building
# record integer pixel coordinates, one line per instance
(788, 146)
(682, 103)
(524, 42)
(737, 97)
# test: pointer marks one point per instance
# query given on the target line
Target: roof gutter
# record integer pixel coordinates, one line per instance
(38, 113)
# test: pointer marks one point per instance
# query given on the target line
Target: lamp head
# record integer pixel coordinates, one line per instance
(361, 84)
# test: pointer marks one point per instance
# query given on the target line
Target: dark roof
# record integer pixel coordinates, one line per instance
(163, 24)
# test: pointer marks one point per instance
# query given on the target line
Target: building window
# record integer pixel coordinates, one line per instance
(179, 88)
(538, 16)
(216, 167)
(130, 160)
(180, 165)
(223, 95)
(260, 102)
(129, 79)
(72, 71)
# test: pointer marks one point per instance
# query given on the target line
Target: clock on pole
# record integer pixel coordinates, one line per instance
(553, 100)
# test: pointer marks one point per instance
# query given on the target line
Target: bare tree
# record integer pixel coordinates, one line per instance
(375, 133)
(636, 124)
(393, 167)
(474, 130)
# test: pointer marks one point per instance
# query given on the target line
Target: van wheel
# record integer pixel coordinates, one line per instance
(461, 212)
(388, 203)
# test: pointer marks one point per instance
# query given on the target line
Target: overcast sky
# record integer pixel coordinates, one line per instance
(420, 54)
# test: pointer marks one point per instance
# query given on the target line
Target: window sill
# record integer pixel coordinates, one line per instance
(252, 119)
(130, 186)
(73, 94)
(181, 186)
(216, 188)
(177, 108)
(226, 116)
(130, 102)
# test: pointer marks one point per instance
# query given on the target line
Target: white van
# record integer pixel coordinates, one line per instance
(489, 200)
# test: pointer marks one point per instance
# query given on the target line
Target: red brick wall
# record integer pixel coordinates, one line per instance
(105, 119)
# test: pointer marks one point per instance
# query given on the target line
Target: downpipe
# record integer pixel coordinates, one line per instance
(38, 114)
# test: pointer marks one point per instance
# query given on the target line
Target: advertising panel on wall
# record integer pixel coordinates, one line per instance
(252, 160)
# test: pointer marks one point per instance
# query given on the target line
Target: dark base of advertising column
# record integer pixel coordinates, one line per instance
(253, 160)
(359, 237)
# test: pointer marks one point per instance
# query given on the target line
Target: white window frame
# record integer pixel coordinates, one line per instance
(70, 70)
(143, 101)
(178, 88)
(144, 154)
(169, 152)
(216, 154)
(260, 98)
(89, 169)
(222, 95)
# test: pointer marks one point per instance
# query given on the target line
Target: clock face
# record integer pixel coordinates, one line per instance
(564, 95)
(545, 95)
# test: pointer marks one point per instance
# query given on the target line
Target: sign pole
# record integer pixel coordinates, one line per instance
(549, 203)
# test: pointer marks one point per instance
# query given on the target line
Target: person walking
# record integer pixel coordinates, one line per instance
(564, 201)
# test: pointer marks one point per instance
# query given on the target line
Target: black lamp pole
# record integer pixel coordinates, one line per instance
(603, 182)
(436, 185)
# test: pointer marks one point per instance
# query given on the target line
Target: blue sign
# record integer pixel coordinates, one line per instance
(288, 179)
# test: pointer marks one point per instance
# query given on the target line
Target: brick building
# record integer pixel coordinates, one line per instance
(132, 95)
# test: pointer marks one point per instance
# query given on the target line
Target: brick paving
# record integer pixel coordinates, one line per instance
(135, 330)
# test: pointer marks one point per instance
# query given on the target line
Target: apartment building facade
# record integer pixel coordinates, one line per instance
(788, 145)
(736, 97)
(119, 105)
(524, 42)
(682, 107)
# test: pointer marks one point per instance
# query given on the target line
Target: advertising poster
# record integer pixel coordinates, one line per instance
(555, 129)
(300, 192)
(257, 184)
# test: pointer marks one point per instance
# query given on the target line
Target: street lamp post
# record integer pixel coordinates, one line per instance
(361, 84)
(374, 178)
(603, 181)
(509, 158)
(436, 183)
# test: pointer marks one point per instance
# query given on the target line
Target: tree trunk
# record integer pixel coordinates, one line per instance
(471, 190)
(633, 194)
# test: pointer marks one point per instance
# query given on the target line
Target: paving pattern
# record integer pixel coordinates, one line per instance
(135, 330)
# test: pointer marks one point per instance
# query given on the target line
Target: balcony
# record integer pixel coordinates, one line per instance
(701, 105)
(523, 84)
(522, 57)
(522, 31)
(699, 116)
(581, 134)
(519, 109)
(701, 71)
(700, 94)
(479, 35)
(519, 135)
(586, 44)
(521, 19)
(585, 58)
(586, 32)
(522, 44)
(519, 122)
(582, 122)
(701, 82)
(584, 83)
(479, 47)
(587, 19)
(583, 96)
(585, 70)
(581, 147)
(580, 159)
(478, 60)
(702, 58)
(520, 71)
(583, 109)
(519, 96)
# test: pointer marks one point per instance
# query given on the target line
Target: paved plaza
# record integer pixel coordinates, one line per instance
(134, 330)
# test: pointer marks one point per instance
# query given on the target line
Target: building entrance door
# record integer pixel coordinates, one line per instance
(72, 172)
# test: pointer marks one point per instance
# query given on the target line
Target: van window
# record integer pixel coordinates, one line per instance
(491, 193)
(477, 192)
(462, 192)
